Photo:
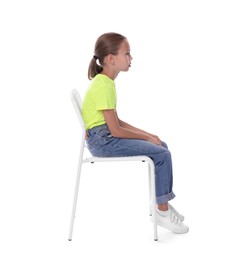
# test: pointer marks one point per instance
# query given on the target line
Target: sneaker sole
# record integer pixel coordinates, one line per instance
(177, 231)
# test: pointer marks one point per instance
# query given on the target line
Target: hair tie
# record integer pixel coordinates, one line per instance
(95, 57)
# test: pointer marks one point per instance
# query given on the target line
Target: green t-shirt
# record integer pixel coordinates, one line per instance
(101, 95)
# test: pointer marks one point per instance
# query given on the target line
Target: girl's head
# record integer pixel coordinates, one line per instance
(106, 44)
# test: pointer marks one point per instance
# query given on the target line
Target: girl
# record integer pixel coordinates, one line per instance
(108, 135)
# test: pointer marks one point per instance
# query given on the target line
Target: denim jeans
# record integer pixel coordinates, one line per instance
(101, 143)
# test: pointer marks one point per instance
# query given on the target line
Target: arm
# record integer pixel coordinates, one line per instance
(121, 129)
(126, 125)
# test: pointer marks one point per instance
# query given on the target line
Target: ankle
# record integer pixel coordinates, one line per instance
(163, 207)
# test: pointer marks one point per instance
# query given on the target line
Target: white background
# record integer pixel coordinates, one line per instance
(184, 85)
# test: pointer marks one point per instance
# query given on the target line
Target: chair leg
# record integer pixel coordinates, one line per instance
(150, 190)
(153, 198)
(75, 197)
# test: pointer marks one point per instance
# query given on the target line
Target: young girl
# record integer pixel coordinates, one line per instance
(109, 136)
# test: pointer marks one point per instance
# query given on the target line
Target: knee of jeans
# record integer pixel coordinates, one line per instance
(165, 155)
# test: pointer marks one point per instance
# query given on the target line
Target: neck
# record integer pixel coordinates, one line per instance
(111, 74)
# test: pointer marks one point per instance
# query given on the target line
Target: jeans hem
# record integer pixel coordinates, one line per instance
(165, 198)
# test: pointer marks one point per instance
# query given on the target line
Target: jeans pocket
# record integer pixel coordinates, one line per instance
(97, 149)
(98, 146)
(104, 133)
(92, 145)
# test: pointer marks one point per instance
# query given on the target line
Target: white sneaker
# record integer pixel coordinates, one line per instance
(171, 222)
(175, 212)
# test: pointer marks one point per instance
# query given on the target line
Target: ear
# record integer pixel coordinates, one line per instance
(111, 59)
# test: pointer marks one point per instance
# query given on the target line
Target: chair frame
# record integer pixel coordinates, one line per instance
(76, 100)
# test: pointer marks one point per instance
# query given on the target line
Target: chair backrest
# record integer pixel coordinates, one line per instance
(77, 103)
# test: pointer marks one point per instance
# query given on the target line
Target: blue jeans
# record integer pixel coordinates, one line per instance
(101, 143)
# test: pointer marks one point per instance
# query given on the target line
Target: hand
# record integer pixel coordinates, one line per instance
(154, 139)
(157, 138)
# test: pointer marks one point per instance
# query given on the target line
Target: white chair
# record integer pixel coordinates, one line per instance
(76, 100)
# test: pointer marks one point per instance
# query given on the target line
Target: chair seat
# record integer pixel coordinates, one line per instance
(117, 159)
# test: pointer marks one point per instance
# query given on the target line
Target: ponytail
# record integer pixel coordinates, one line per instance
(94, 68)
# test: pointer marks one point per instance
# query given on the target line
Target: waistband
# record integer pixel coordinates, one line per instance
(97, 129)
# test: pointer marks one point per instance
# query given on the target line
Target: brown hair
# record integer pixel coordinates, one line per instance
(107, 43)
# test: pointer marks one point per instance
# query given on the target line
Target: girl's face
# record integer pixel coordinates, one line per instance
(123, 58)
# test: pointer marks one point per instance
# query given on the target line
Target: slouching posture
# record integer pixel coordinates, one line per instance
(109, 136)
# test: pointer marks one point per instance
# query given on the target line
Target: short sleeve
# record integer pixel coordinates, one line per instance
(105, 97)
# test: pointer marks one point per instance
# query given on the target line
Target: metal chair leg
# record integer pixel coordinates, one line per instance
(152, 194)
(75, 196)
